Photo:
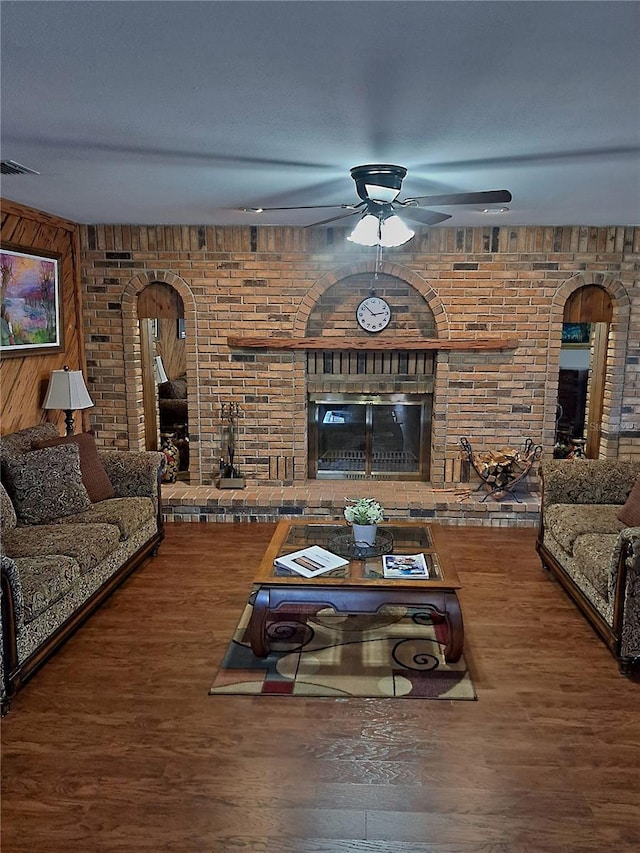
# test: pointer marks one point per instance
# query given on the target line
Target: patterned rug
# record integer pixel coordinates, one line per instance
(394, 653)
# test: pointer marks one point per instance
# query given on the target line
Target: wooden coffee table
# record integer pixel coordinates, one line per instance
(358, 587)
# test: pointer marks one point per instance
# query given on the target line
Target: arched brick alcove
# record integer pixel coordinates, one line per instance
(618, 338)
(133, 361)
(359, 272)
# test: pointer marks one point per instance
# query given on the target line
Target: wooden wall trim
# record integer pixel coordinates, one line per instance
(14, 208)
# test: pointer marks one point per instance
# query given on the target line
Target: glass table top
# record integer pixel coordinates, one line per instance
(406, 539)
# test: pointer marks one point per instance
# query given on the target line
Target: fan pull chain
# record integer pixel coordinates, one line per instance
(378, 261)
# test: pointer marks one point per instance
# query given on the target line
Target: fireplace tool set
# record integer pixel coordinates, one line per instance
(230, 477)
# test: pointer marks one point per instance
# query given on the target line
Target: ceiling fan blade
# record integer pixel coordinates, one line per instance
(579, 155)
(425, 217)
(333, 218)
(488, 197)
(302, 207)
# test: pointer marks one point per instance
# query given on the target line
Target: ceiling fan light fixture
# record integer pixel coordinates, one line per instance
(394, 232)
(375, 192)
(378, 182)
(379, 230)
(366, 232)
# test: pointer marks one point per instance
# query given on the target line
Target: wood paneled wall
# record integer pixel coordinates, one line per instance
(24, 380)
(171, 348)
(591, 304)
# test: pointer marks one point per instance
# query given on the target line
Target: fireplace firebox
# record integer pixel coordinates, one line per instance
(373, 437)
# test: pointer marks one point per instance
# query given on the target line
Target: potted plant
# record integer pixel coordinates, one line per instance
(364, 514)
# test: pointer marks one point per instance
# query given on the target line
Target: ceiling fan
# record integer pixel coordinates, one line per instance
(378, 186)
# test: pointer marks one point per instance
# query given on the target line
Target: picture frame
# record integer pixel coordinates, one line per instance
(576, 333)
(31, 302)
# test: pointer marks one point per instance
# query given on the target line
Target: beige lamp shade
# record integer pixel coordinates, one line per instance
(159, 371)
(67, 391)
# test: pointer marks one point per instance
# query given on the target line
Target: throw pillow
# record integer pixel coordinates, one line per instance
(95, 478)
(630, 512)
(47, 484)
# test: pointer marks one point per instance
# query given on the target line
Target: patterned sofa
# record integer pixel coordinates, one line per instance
(589, 538)
(75, 522)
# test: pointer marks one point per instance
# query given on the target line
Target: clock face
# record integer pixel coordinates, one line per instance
(373, 314)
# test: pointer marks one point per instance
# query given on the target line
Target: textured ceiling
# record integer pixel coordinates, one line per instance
(184, 112)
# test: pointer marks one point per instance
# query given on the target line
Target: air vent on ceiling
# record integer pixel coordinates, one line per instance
(10, 167)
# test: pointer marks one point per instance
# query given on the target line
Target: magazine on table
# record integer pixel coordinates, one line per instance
(404, 566)
(310, 562)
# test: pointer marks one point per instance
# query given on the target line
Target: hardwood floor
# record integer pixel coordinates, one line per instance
(115, 745)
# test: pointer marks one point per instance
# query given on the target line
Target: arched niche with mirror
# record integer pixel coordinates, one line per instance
(583, 368)
(164, 367)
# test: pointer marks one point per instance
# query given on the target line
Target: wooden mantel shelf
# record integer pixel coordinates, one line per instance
(372, 343)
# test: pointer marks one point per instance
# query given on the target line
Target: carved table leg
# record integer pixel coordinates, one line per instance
(455, 633)
(258, 624)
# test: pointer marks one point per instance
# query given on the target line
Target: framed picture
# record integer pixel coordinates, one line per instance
(576, 333)
(31, 302)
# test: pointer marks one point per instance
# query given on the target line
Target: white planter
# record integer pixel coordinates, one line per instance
(364, 534)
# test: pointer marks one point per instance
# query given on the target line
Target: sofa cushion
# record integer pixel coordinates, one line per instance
(94, 477)
(88, 544)
(588, 481)
(127, 514)
(46, 484)
(630, 512)
(16, 443)
(8, 519)
(44, 581)
(566, 522)
(592, 553)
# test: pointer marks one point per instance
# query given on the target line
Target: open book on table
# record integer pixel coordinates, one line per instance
(310, 562)
(404, 566)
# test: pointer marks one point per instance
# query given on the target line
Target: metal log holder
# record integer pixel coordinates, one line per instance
(501, 471)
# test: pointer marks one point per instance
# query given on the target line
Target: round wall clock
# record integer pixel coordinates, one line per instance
(373, 314)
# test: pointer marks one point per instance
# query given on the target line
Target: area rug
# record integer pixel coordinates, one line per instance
(394, 653)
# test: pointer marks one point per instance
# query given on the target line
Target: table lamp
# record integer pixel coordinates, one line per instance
(68, 392)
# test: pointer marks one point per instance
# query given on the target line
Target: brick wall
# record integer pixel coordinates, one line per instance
(445, 283)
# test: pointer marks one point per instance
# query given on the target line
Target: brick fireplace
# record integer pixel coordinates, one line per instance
(369, 412)
(269, 315)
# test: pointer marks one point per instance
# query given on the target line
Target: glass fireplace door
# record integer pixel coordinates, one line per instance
(395, 439)
(372, 439)
(342, 437)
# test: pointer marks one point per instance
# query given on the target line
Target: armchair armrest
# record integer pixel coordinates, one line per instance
(587, 481)
(133, 473)
(11, 615)
(12, 589)
(630, 609)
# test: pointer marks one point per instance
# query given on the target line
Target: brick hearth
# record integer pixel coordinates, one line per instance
(322, 500)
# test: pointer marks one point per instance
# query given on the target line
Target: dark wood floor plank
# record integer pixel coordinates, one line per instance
(115, 745)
